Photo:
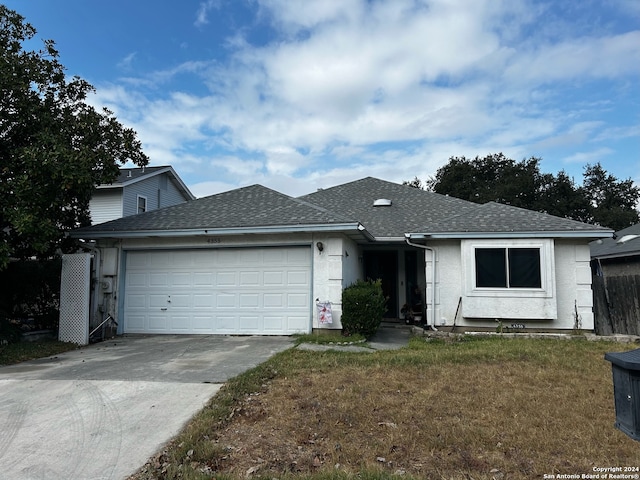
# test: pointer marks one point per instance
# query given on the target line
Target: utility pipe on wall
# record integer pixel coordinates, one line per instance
(433, 279)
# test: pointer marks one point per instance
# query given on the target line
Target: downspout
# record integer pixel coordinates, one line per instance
(433, 279)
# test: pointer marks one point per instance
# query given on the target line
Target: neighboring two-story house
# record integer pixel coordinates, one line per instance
(138, 190)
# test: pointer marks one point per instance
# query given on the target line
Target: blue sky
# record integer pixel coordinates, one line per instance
(300, 95)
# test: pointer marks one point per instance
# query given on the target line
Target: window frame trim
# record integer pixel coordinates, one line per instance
(146, 203)
(547, 268)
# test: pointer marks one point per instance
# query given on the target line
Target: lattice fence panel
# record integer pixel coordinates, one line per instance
(75, 298)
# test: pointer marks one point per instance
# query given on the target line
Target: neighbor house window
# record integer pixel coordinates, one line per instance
(142, 204)
(508, 268)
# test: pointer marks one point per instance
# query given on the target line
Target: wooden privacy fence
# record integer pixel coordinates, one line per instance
(617, 304)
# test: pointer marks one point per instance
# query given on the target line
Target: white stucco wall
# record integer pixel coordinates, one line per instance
(566, 287)
(336, 267)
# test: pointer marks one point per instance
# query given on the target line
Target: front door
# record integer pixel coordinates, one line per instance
(383, 265)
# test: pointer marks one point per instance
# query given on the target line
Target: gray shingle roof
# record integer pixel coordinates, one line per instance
(129, 174)
(496, 217)
(244, 207)
(610, 248)
(410, 210)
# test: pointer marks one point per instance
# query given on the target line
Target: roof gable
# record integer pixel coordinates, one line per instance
(131, 176)
(254, 206)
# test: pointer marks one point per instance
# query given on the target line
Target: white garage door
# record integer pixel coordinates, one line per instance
(244, 291)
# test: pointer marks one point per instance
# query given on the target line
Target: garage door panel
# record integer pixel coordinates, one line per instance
(224, 300)
(297, 256)
(274, 323)
(158, 279)
(249, 300)
(227, 257)
(137, 301)
(274, 278)
(180, 301)
(297, 300)
(223, 291)
(227, 323)
(250, 257)
(157, 323)
(249, 279)
(203, 300)
(181, 279)
(273, 300)
(137, 280)
(297, 324)
(202, 323)
(226, 279)
(249, 324)
(136, 322)
(275, 256)
(179, 323)
(203, 279)
(297, 278)
(157, 301)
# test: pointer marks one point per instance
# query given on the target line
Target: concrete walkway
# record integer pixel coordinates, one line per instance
(98, 413)
(388, 337)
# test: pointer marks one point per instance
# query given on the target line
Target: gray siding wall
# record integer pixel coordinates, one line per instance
(171, 195)
(159, 191)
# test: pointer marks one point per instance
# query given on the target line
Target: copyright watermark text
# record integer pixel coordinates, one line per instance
(599, 473)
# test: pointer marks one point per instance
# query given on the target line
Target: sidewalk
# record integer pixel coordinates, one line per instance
(388, 337)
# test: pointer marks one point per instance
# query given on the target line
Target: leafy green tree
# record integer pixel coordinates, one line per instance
(613, 201)
(492, 178)
(601, 199)
(560, 196)
(54, 149)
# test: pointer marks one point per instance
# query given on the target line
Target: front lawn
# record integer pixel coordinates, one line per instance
(478, 408)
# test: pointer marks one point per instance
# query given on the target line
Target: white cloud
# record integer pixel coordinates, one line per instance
(203, 11)
(593, 156)
(342, 79)
(127, 61)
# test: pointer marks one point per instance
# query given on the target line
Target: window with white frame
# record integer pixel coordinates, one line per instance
(142, 204)
(507, 267)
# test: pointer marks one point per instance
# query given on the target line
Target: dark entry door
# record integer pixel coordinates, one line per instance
(383, 265)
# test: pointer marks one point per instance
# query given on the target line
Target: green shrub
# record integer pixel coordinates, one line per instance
(363, 305)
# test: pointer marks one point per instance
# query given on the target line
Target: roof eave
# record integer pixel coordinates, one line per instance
(592, 234)
(389, 239)
(254, 230)
(611, 256)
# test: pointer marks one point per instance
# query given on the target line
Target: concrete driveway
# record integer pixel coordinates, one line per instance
(100, 412)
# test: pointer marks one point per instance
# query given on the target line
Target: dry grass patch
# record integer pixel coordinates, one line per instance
(477, 409)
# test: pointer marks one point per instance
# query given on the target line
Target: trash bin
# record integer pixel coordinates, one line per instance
(626, 390)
